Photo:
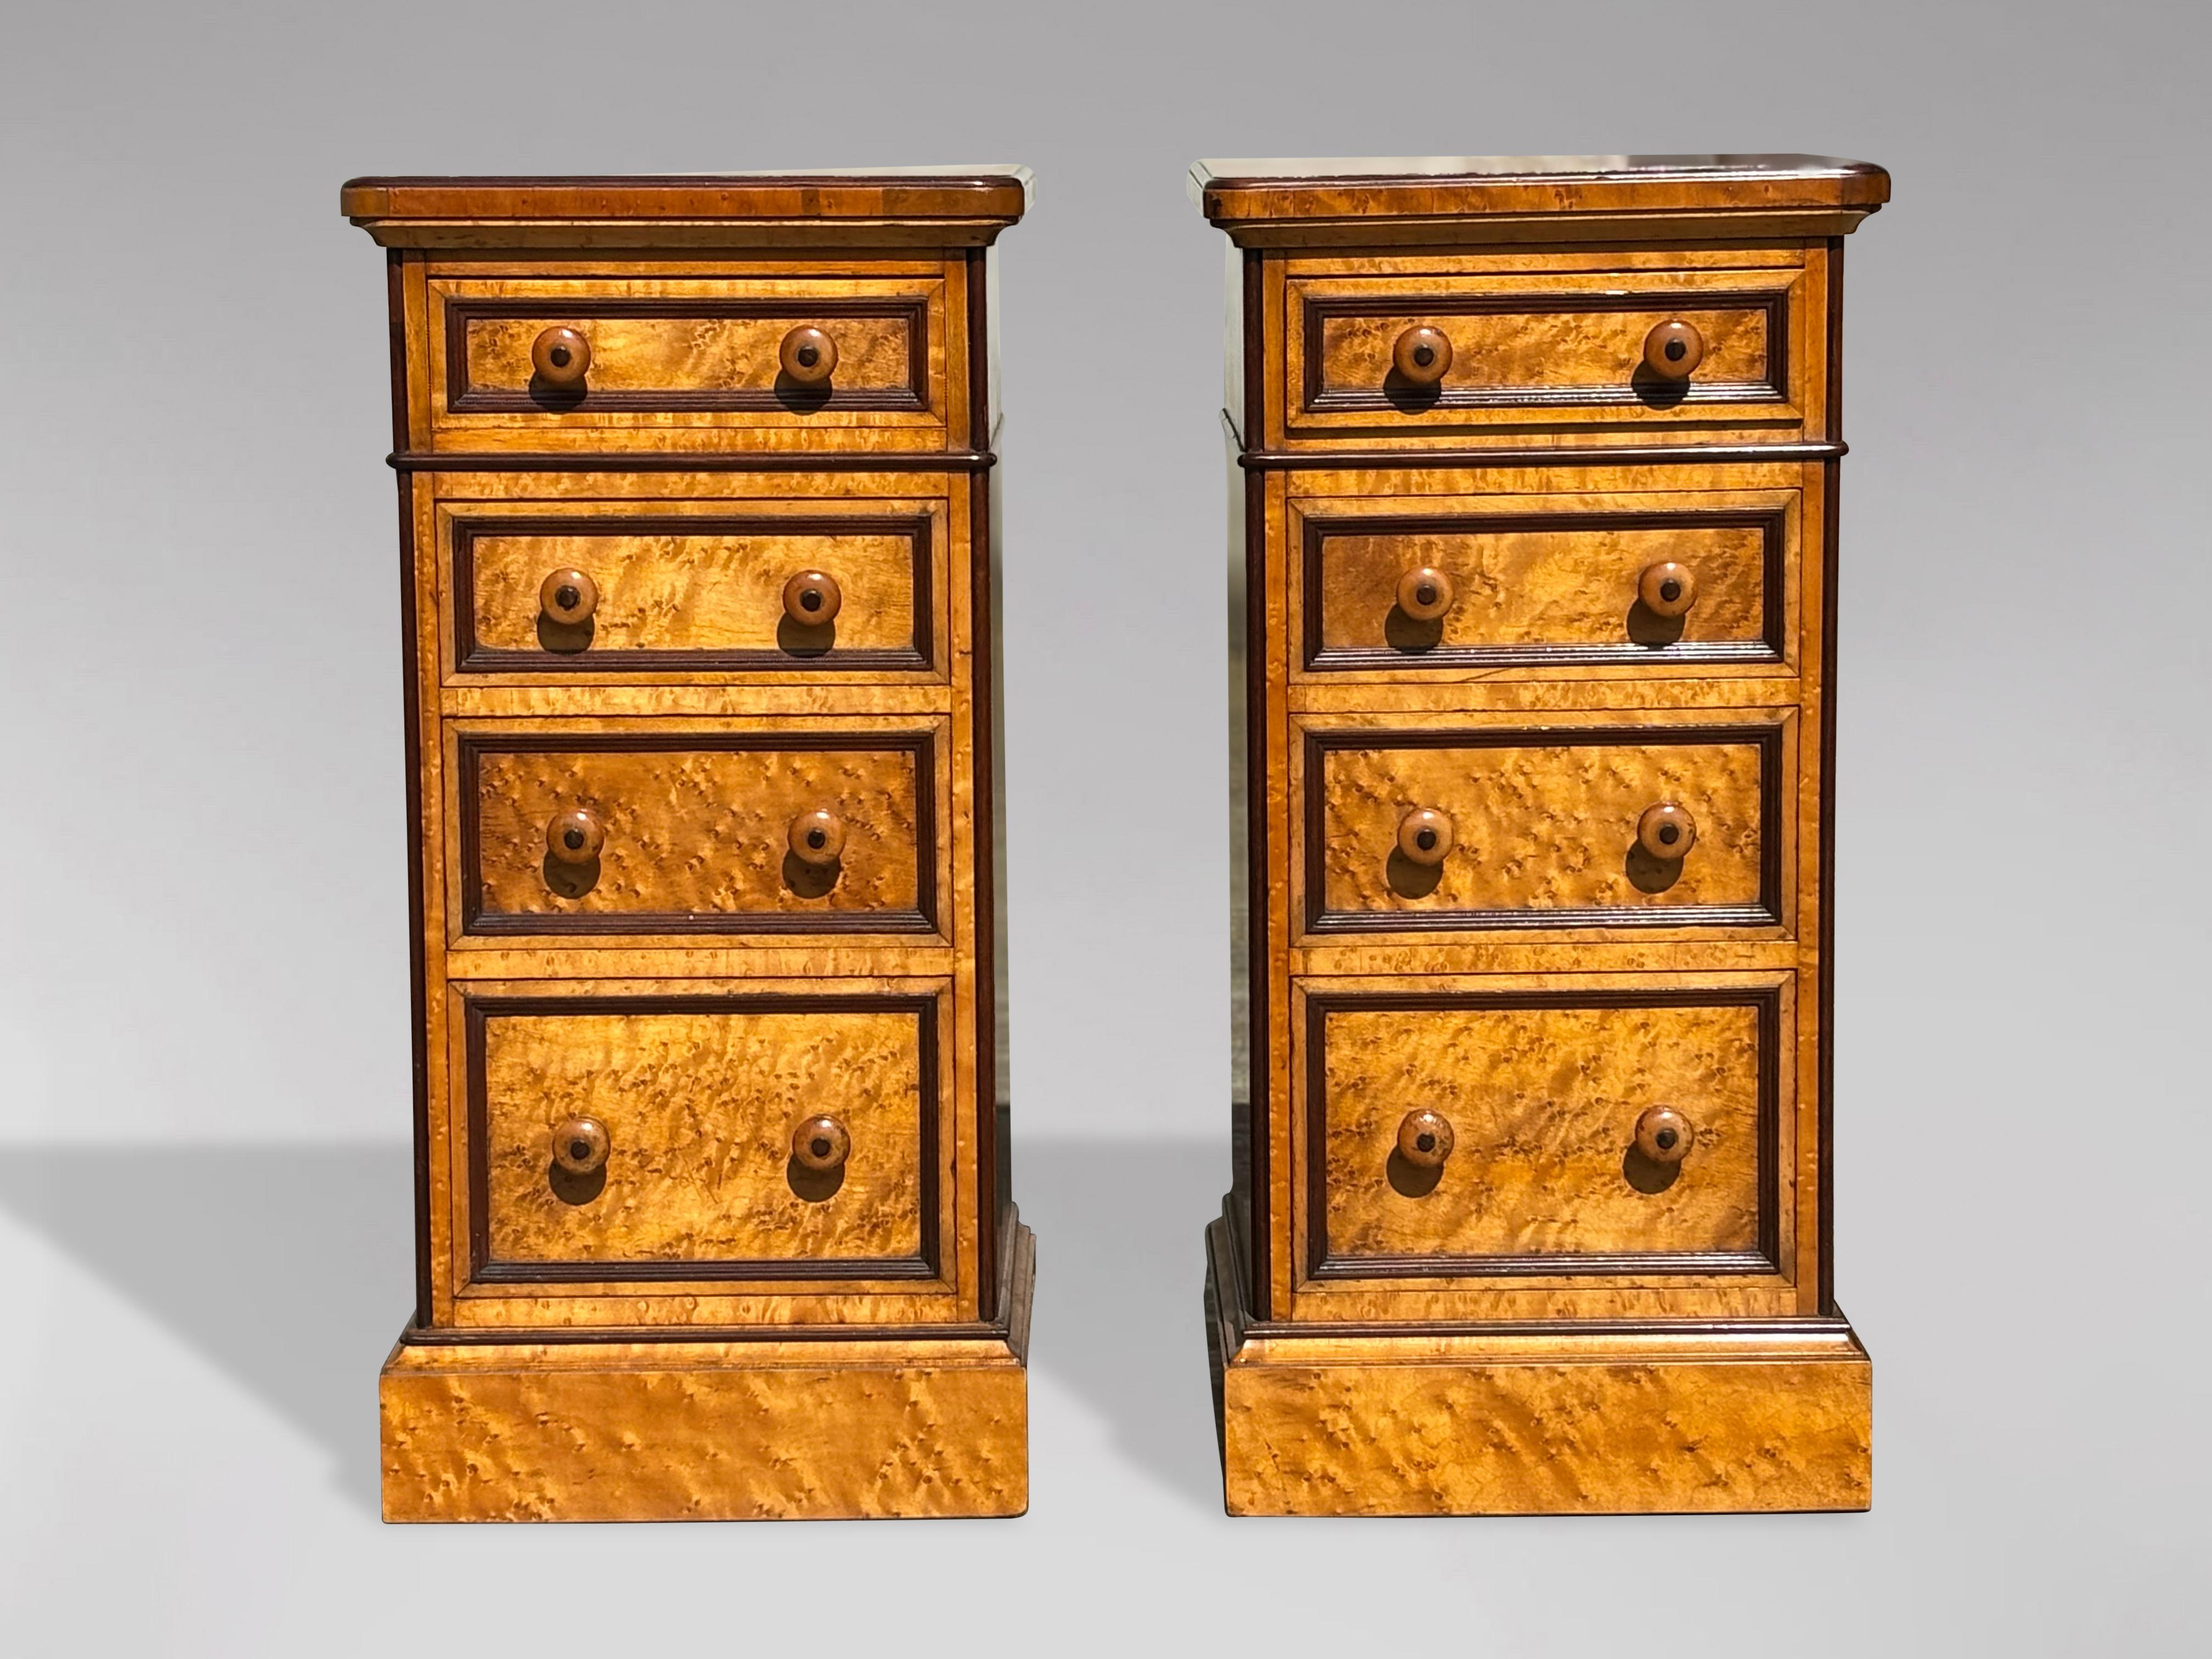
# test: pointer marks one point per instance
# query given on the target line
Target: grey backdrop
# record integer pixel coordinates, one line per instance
(203, 1191)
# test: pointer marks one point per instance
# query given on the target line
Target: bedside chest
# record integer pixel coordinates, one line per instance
(706, 855)
(1533, 628)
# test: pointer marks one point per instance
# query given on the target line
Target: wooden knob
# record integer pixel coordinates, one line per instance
(1425, 593)
(1674, 350)
(568, 596)
(820, 1143)
(1422, 355)
(817, 838)
(576, 837)
(1424, 835)
(1424, 1139)
(808, 355)
(580, 1145)
(1664, 1135)
(1666, 831)
(811, 599)
(1668, 590)
(561, 356)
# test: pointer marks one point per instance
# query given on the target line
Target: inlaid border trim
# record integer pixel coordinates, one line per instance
(484, 1269)
(1318, 399)
(1766, 1258)
(470, 657)
(1766, 736)
(462, 397)
(1317, 658)
(474, 745)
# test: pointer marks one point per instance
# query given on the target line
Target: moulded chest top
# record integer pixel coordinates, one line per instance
(1524, 198)
(946, 205)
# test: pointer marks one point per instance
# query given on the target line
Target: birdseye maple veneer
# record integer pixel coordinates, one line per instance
(705, 851)
(1534, 632)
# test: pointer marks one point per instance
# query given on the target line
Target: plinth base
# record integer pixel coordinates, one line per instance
(1588, 1419)
(847, 1429)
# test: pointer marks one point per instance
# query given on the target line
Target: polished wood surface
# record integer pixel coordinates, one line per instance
(680, 833)
(710, 1429)
(1534, 464)
(1544, 1105)
(674, 361)
(681, 585)
(705, 592)
(1762, 1417)
(698, 1109)
(1539, 825)
(581, 1145)
(1675, 349)
(1457, 200)
(643, 355)
(885, 206)
(706, 867)
(812, 598)
(559, 357)
(1425, 595)
(1523, 352)
(1525, 578)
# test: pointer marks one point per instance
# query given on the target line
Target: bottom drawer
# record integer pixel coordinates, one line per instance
(1504, 1130)
(745, 1135)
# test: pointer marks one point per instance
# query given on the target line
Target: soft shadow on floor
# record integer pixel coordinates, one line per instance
(290, 1266)
(1119, 1226)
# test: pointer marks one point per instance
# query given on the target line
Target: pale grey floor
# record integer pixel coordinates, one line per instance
(203, 1203)
(189, 1468)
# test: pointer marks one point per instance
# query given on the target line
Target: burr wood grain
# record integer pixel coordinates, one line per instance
(698, 1109)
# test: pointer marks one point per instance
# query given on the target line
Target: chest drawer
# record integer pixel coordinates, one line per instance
(646, 830)
(791, 591)
(1541, 1132)
(1426, 585)
(799, 361)
(1455, 360)
(702, 1136)
(1482, 825)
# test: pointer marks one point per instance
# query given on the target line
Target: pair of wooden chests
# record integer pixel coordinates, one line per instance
(1533, 731)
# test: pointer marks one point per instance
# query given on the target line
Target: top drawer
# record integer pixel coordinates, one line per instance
(542, 363)
(1594, 357)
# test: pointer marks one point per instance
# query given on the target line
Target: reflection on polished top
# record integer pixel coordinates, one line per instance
(1240, 191)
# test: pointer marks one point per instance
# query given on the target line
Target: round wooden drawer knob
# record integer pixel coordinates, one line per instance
(808, 355)
(1422, 355)
(1674, 350)
(1666, 831)
(1664, 1135)
(576, 837)
(560, 356)
(1424, 1139)
(1425, 593)
(1668, 590)
(820, 1144)
(1424, 835)
(811, 599)
(580, 1145)
(817, 838)
(568, 596)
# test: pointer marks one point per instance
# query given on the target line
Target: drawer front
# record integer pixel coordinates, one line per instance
(1486, 826)
(621, 362)
(829, 590)
(703, 1138)
(1417, 587)
(1514, 353)
(1531, 1132)
(687, 832)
